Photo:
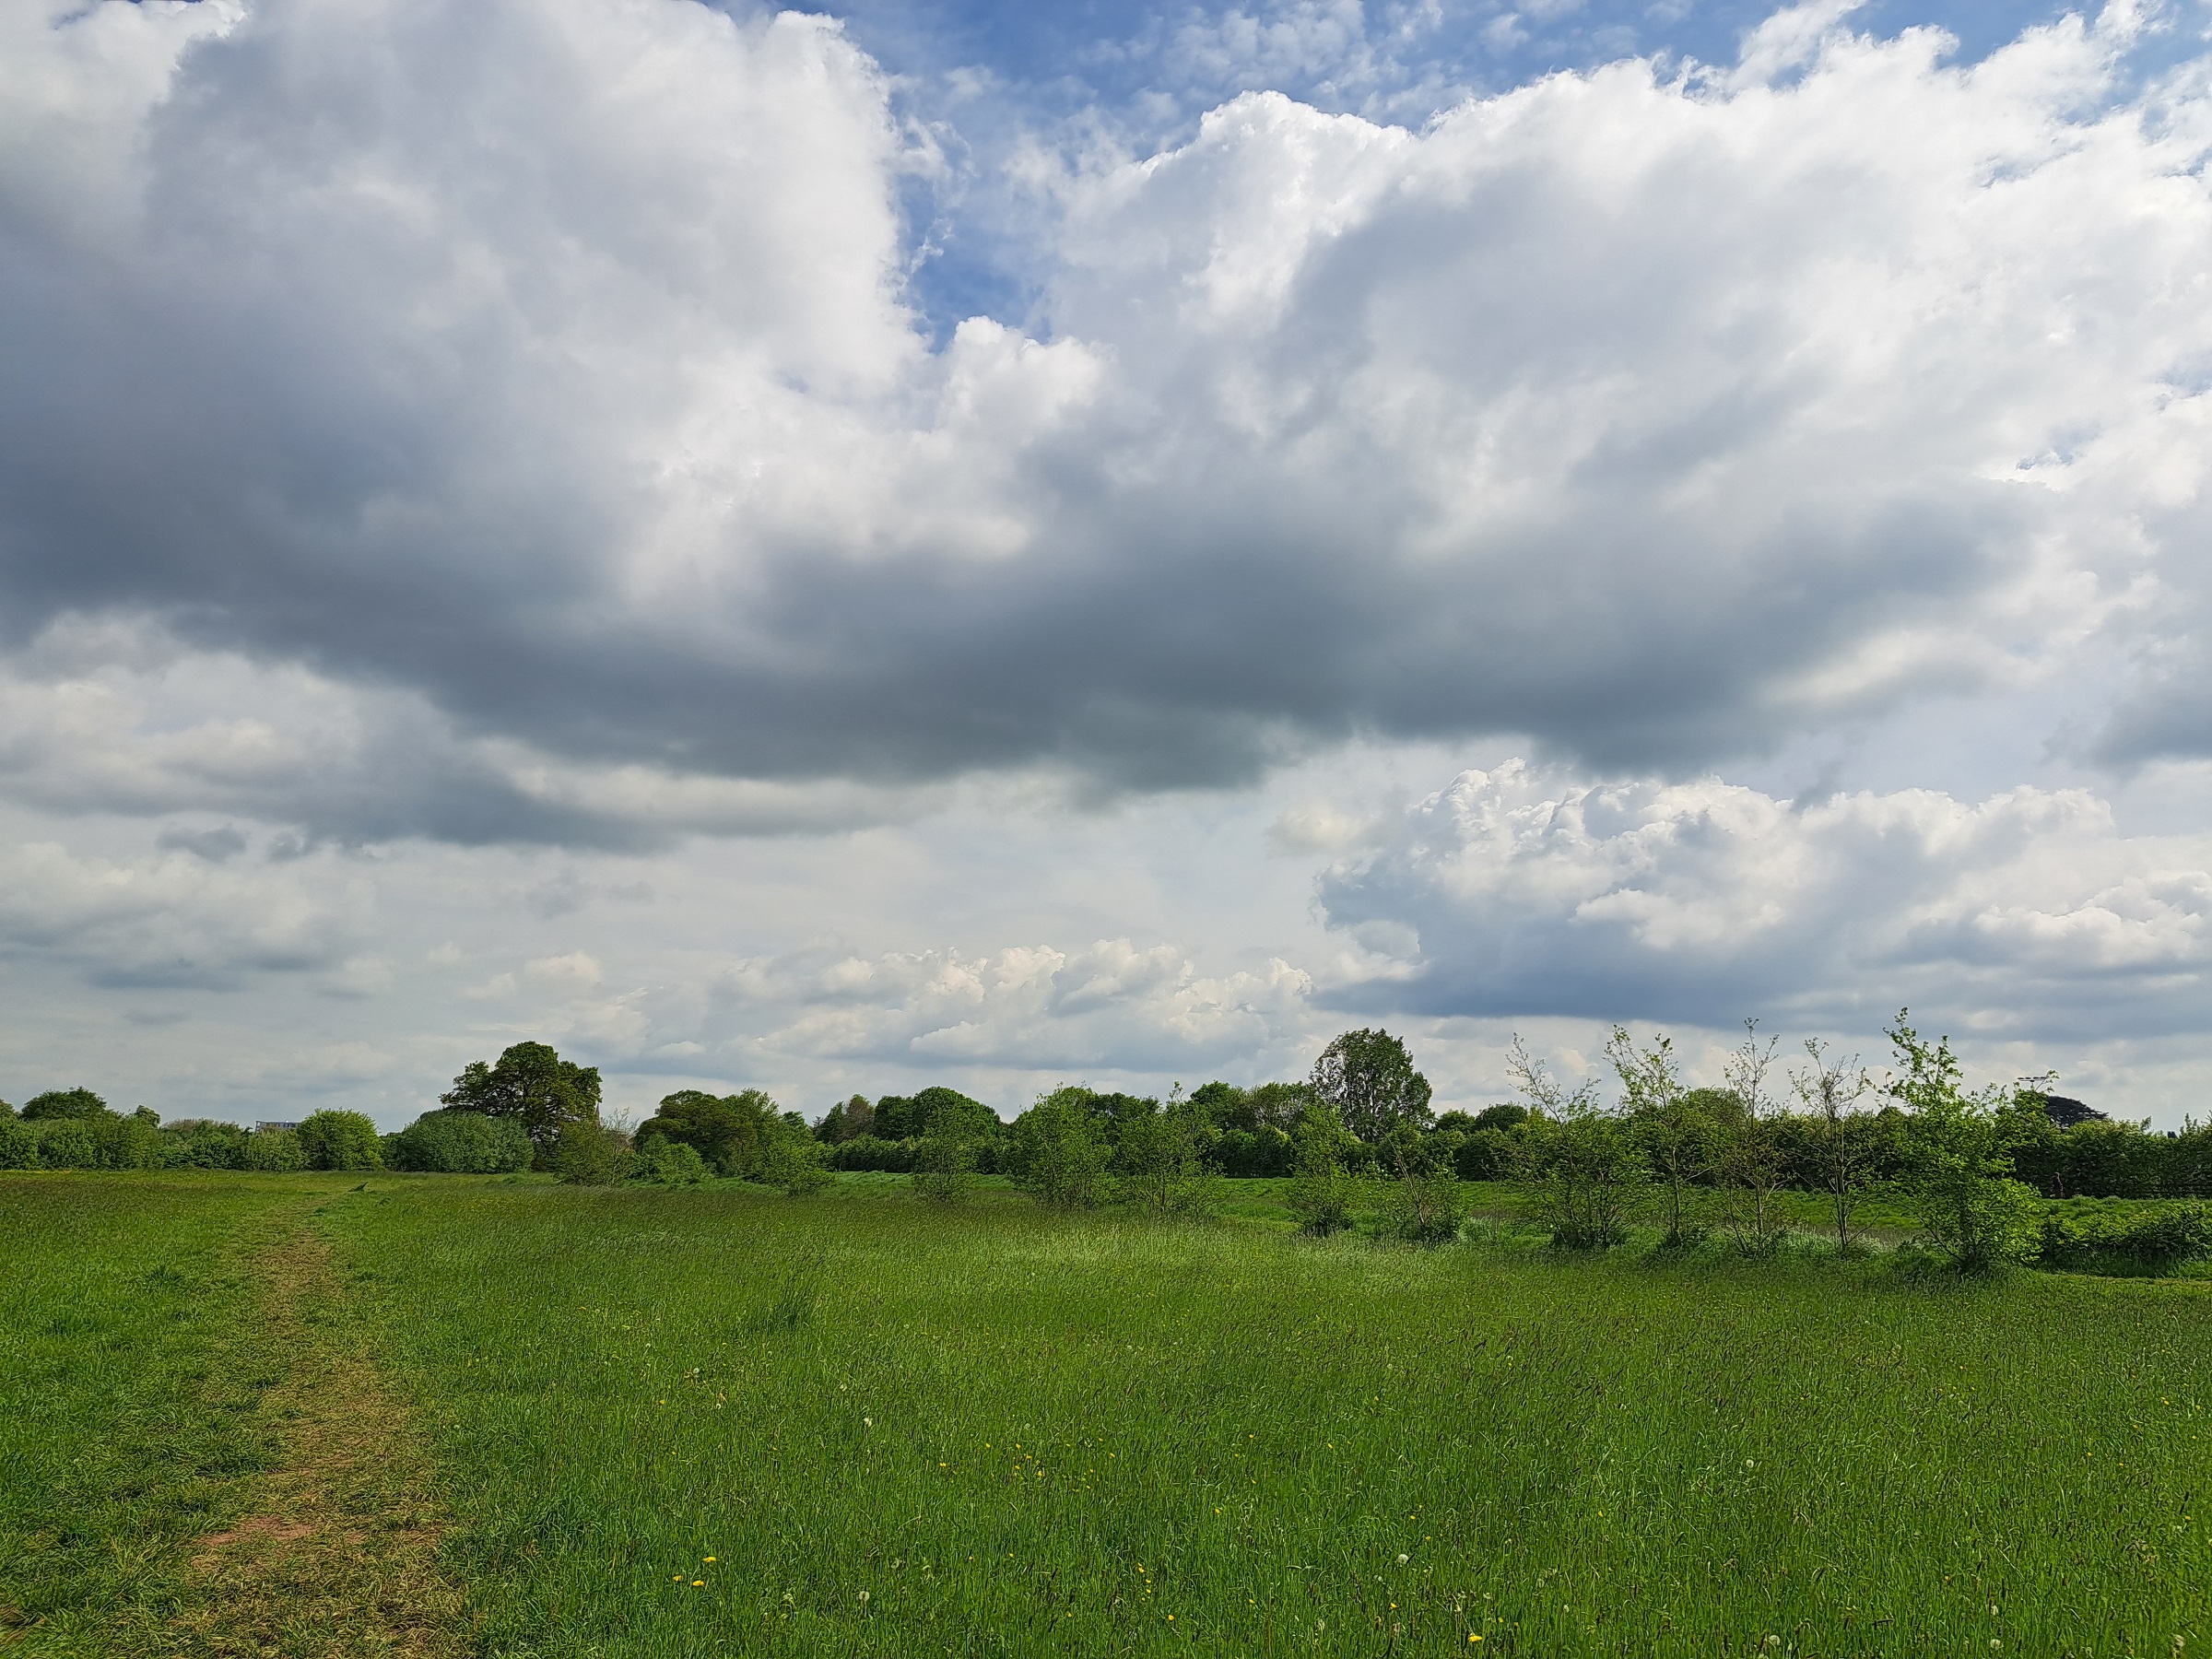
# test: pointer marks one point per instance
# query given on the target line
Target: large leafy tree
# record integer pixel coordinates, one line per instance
(80, 1103)
(536, 1087)
(742, 1134)
(1368, 1078)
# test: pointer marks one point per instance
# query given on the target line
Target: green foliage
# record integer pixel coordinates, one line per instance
(1159, 1160)
(18, 1145)
(457, 1142)
(339, 1140)
(945, 1156)
(590, 1154)
(1957, 1171)
(869, 1152)
(68, 1144)
(203, 1145)
(532, 1085)
(1368, 1078)
(275, 1151)
(1832, 1089)
(1059, 1149)
(849, 1119)
(79, 1104)
(1585, 1174)
(2155, 1238)
(792, 1162)
(669, 1163)
(741, 1135)
(1322, 1189)
(1425, 1204)
(1677, 1137)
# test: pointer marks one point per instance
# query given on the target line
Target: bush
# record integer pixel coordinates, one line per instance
(339, 1140)
(207, 1146)
(669, 1163)
(1321, 1188)
(79, 1103)
(68, 1144)
(794, 1162)
(1586, 1177)
(873, 1152)
(2156, 1239)
(1060, 1150)
(1956, 1150)
(589, 1154)
(459, 1142)
(18, 1146)
(275, 1151)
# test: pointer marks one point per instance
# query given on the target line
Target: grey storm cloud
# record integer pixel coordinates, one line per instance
(539, 376)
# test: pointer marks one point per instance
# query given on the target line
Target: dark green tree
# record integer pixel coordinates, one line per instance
(732, 1132)
(80, 1103)
(532, 1085)
(1368, 1078)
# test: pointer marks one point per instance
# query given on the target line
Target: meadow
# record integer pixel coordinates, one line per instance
(718, 1421)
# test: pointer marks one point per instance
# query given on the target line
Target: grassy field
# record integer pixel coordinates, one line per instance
(720, 1421)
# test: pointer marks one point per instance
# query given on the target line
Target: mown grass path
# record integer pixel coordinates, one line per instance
(196, 1456)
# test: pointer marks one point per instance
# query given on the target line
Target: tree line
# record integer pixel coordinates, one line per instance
(1357, 1140)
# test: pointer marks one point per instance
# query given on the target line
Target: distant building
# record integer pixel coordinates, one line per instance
(267, 1127)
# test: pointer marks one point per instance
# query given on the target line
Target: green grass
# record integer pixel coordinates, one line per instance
(127, 1372)
(991, 1431)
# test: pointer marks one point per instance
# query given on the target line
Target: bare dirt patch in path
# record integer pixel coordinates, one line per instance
(337, 1551)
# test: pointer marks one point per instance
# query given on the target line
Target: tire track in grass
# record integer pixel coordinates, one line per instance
(336, 1551)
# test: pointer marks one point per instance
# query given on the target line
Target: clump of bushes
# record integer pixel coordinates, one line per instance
(458, 1142)
(2153, 1240)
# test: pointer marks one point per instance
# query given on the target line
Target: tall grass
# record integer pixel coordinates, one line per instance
(679, 1423)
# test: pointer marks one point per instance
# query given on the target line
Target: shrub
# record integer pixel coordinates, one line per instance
(68, 1144)
(459, 1142)
(2155, 1238)
(794, 1162)
(207, 1146)
(669, 1163)
(275, 1151)
(1956, 1165)
(18, 1145)
(1425, 1204)
(1586, 1177)
(872, 1152)
(1321, 1188)
(587, 1153)
(65, 1103)
(1159, 1162)
(339, 1140)
(1061, 1152)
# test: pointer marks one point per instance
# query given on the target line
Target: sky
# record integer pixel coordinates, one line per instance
(997, 545)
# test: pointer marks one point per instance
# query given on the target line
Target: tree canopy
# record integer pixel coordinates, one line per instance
(534, 1086)
(1369, 1077)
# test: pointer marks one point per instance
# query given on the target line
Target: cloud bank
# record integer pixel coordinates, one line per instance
(1514, 892)
(444, 434)
(546, 368)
